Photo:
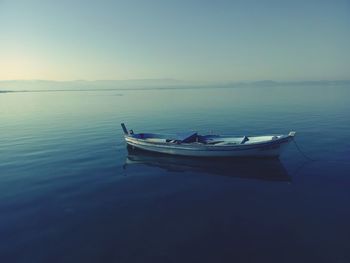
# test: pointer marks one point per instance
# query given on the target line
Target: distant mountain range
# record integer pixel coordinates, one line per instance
(49, 85)
(24, 85)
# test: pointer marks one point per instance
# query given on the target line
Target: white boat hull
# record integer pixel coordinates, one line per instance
(265, 149)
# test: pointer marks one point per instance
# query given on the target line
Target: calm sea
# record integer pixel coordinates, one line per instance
(70, 191)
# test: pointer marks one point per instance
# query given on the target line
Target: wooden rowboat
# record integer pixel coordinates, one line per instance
(193, 144)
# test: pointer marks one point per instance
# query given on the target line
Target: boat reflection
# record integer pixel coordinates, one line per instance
(260, 169)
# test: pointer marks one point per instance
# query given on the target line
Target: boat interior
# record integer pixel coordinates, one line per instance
(194, 137)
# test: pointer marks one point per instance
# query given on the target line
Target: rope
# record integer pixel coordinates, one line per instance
(302, 153)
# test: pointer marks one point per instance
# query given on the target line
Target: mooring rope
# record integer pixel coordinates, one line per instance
(302, 152)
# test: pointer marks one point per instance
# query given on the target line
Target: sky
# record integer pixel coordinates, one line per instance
(188, 40)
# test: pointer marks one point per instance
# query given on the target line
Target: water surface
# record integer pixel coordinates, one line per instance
(70, 190)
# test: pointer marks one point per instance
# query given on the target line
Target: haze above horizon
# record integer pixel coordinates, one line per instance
(185, 40)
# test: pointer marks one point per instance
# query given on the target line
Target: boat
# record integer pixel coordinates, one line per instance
(257, 169)
(194, 144)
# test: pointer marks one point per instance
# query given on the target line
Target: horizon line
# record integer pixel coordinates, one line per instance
(177, 80)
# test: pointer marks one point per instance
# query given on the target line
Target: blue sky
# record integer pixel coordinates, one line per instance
(185, 40)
